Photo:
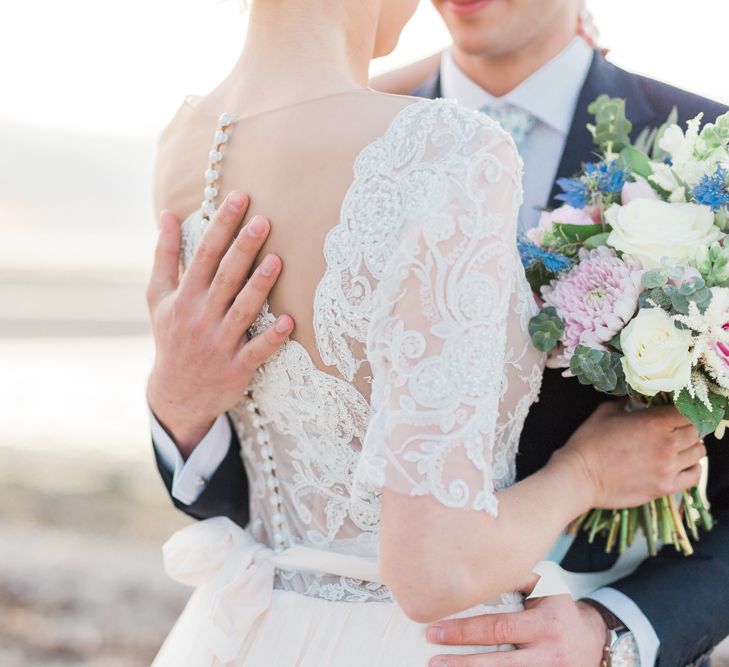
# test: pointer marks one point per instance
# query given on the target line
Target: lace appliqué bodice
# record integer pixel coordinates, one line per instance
(424, 205)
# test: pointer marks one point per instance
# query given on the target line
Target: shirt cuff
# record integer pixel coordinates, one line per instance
(634, 619)
(190, 477)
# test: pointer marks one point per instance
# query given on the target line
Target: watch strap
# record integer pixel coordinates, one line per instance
(614, 627)
(611, 620)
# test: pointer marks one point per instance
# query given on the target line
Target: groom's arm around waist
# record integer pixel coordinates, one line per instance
(212, 482)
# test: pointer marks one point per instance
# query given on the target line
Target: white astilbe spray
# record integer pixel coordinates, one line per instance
(710, 355)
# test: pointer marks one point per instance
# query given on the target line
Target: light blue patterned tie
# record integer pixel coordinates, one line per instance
(517, 122)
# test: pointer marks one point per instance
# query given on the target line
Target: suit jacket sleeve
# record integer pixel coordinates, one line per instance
(687, 599)
(226, 493)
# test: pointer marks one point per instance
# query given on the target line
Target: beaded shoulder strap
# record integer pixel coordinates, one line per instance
(212, 173)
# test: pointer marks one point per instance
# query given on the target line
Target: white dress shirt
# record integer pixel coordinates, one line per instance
(190, 477)
(550, 95)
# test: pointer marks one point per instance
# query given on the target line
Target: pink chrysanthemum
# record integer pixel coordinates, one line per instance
(595, 299)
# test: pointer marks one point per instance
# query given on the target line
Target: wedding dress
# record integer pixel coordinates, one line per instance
(420, 379)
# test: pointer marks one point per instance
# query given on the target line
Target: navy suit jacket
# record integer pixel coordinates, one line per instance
(686, 599)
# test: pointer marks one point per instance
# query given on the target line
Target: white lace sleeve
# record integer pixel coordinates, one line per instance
(436, 342)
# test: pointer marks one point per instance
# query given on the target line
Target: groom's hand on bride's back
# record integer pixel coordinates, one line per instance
(204, 359)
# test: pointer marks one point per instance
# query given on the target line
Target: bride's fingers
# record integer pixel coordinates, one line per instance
(247, 305)
(236, 265)
(256, 351)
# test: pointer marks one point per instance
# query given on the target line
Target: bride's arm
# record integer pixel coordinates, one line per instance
(405, 80)
(438, 560)
(437, 349)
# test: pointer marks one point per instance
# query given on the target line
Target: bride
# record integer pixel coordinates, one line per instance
(380, 440)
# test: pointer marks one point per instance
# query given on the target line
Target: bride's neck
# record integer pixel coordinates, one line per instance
(302, 49)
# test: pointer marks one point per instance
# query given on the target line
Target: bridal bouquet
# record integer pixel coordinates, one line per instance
(633, 273)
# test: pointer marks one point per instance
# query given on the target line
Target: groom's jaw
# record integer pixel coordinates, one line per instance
(497, 28)
(499, 43)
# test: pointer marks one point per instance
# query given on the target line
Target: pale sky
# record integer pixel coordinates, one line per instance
(123, 66)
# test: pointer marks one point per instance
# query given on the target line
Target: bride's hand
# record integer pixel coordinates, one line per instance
(204, 359)
(635, 457)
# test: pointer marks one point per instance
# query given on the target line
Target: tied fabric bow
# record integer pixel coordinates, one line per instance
(234, 575)
(237, 575)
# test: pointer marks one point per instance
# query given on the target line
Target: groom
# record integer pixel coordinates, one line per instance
(520, 61)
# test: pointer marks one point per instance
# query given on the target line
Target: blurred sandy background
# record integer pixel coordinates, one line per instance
(86, 86)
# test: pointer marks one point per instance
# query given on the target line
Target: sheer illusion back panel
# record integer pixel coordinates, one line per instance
(296, 164)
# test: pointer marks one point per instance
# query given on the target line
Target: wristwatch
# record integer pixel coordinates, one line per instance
(621, 649)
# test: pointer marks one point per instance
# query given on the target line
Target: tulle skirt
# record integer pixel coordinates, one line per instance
(235, 618)
(303, 631)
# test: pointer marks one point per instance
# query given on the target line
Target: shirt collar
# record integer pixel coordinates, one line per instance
(550, 94)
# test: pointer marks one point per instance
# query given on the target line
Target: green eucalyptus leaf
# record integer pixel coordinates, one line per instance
(538, 276)
(612, 129)
(693, 291)
(654, 278)
(597, 240)
(636, 161)
(546, 328)
(655, 298)
(576, 233)
(714, 267)
(698, 414)
(601, 369)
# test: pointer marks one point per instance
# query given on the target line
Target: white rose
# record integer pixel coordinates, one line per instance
(657, 354)
(649, 230)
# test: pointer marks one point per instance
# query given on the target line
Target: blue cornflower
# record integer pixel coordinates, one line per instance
(609, 178)
(575, 192)
(532, 254)
(713, 191)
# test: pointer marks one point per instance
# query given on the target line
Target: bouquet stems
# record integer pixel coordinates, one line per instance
(660, 519)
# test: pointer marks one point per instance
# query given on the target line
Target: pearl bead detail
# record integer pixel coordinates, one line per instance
(263, 439)
(212, 174)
